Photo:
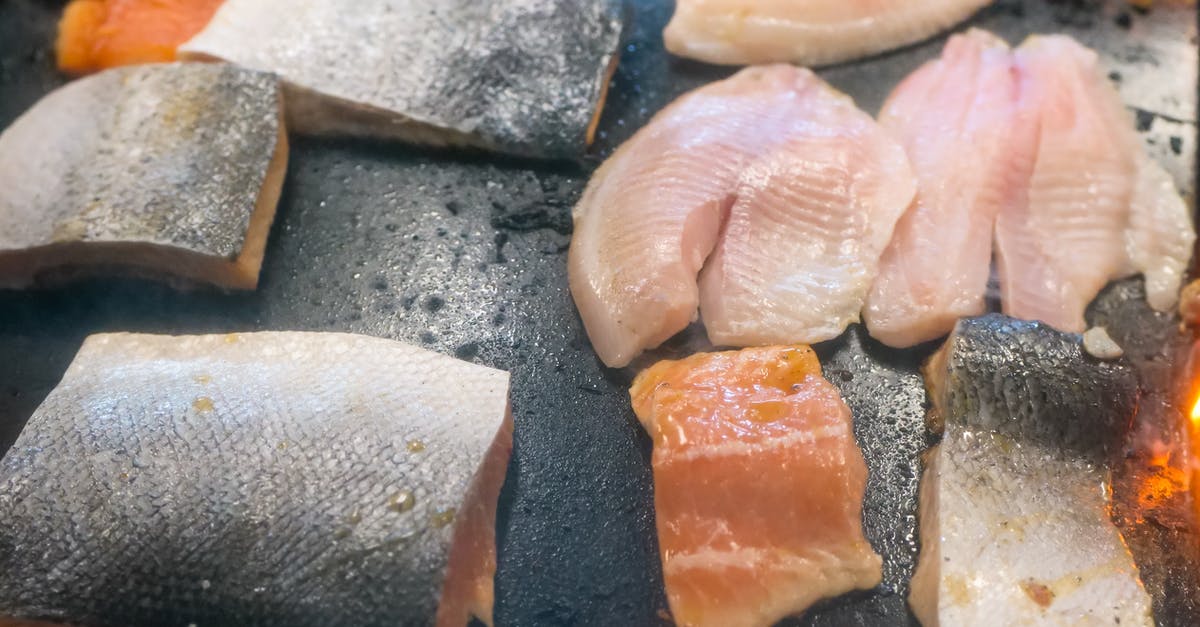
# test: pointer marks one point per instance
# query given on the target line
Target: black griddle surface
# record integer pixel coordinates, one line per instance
(466, 254)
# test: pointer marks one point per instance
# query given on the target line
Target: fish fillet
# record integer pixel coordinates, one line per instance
(262, 478)
(956, 117)
(98, 34)
(758, 486)
(1098, 208)
(170, 169)
(652, 213)
(805, 32)
(810, 220)
(1014, 518)
(520, 76)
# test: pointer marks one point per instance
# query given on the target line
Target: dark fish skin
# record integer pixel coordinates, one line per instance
(1028, 381)
(1016, 512)
(526, 77)
(271, 479)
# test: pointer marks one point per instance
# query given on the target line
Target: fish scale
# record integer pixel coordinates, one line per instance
(121, 509)
(1015, 499)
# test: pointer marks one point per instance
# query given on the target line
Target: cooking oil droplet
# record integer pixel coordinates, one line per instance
(203, 379)
(354, 518)
(443, 518)
(402, 501)
(415, 446)
(282, 445)
(203, 404)
(232, 338)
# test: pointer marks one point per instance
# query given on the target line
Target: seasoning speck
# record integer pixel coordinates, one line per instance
(443, 518)
(402, 501)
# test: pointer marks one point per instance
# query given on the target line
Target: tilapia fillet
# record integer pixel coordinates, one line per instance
(1097, 207)
(758, 486)
(160, 169)
(262, 478)
(956, 117)
(805, 32)
(1015, 526)
(804, 187)
(519, 76)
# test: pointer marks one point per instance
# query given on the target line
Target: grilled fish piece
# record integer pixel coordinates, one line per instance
(805, 32)
(520, 76)
(955, 117)
(168, 169)
(797, 172)
(1015, 525)
(1098, 208)
(758, 485)
(263, 478)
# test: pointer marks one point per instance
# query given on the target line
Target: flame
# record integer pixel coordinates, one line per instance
(1195, 415)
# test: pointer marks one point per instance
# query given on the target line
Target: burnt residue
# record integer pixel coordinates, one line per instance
(1150, 502)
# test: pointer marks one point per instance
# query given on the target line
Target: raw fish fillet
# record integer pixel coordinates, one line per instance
(805, 32)
(1161, 235)
(956, 117)
(266, 478)
(652, 213)
(1098, 208)
(97, 34)
(810, 220)
(518, 76)
(1015, 525)
(170, 169)
(758, 486)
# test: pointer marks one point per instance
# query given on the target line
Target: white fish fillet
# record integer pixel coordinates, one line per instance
(811, 218)
(1161, 235)
(956, 118)
(652, 212)
(806, 32)
(1098, 207)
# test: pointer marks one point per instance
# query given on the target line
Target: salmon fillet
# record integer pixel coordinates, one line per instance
(1015, 500)
(98, 34)
(758, 486)
(167, 170)
(277, 478)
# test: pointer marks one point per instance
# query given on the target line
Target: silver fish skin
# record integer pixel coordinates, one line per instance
(166, 169)
(259, 479)
(1014, 513)
(526, 77)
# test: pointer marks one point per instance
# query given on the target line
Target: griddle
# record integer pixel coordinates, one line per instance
(465, 253)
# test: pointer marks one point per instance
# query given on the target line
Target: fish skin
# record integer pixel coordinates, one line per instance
(652, 213)
(1014, 516)
(956, 117)
(246, 479)
(800, 248)
(805, 32)
(168, 169)
(526, 77)
(1058, 249)
(747, 544)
